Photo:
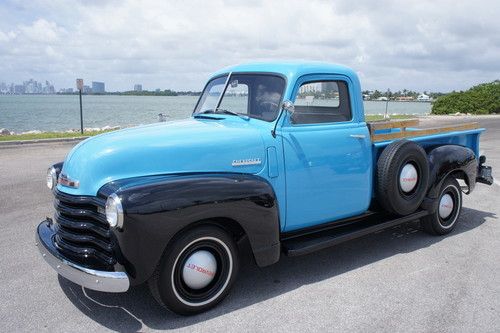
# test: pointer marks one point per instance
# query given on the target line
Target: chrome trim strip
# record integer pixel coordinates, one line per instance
(113, 282)
(64, 180)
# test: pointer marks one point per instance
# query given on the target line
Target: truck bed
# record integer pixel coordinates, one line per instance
(382, 133)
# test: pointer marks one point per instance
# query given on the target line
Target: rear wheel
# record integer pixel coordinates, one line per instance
(444, 219)
(197, 271)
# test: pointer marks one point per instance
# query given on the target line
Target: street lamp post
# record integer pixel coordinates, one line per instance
(79, 86)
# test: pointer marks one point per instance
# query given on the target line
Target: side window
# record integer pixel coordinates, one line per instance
(322, 102)
(236, 97)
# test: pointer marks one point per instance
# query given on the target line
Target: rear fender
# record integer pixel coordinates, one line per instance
(448, 159)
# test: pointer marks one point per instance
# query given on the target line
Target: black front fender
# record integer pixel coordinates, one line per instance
(448, 159)
(158, 207)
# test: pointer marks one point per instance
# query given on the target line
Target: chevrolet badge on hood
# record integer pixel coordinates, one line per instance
(246, 161)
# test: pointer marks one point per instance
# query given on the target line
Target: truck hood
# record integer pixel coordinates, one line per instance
(185, 146)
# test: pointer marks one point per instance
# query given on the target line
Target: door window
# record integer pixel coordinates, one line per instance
(322, 102)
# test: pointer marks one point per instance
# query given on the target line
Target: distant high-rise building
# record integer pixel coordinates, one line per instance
(98, 87)
(86, 89)
(19, 89)
(32, 87)
(3, 88)
(48, 88)
(137, 87)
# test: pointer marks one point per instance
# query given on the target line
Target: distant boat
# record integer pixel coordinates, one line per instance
(423, 98)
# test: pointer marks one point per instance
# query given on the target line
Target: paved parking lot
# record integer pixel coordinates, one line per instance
(398, 280)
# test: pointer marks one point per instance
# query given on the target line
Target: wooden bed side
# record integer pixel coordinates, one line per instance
(404, 133)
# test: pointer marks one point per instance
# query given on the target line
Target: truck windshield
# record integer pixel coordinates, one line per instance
(251, 95)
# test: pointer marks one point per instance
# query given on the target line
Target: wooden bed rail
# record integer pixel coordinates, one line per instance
(404, 133)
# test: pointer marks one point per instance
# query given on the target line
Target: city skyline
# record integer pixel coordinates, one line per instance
(421, 45)
(33, 86)
(28, 87)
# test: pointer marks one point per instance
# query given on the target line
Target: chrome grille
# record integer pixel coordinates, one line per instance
(82, 233)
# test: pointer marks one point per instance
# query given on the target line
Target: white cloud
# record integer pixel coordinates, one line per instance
(171, 44)
(42, 31)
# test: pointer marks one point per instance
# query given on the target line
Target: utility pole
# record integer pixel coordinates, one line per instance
(79, 86)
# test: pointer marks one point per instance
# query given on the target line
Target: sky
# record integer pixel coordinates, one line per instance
(418, 45)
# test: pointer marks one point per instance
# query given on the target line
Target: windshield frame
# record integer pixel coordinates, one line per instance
(228, 80)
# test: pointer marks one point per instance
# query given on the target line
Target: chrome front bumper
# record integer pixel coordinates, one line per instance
(114, 282)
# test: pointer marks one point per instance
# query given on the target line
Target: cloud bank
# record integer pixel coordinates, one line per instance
(420, 45)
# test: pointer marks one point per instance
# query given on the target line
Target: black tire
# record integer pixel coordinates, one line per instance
(435, 224)
(167, 284)
(389, 188)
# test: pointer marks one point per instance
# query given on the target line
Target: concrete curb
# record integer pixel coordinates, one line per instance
(37, 141)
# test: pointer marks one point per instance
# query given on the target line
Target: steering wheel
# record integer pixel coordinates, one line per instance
(269, 105)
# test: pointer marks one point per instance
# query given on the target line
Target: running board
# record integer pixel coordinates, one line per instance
(311, 242)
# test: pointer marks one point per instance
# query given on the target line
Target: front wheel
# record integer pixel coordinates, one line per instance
(444, 219)
(197, 271)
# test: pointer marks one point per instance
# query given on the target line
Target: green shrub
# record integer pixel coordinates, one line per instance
(480, 99)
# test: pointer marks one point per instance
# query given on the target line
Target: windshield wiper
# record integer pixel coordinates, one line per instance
(219, 110)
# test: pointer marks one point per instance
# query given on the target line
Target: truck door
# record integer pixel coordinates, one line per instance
(327, 153)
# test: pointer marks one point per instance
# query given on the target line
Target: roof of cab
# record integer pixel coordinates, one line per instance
(290, 69)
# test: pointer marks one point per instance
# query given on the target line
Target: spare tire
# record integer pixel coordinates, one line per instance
(402, 177)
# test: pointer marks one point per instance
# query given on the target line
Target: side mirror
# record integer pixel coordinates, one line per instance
(288, 107)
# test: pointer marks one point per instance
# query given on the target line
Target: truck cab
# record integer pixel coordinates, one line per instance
(315, 157)
(276, 153)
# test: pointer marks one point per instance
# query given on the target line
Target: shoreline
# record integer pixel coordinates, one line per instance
(36, 136)
(4, 132)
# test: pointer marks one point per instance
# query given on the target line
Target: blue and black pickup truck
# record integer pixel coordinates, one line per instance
(276, 154)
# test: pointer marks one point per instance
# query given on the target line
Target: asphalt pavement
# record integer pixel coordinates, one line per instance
(398, 280)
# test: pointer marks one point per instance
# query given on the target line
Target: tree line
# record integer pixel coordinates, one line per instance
(400, 93)
(481, 99)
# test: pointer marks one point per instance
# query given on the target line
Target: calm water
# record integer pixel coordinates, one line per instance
(61, 112)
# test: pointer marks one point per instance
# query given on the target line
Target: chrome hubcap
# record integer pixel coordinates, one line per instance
(199, 269)
(408, 178)
(445, 206)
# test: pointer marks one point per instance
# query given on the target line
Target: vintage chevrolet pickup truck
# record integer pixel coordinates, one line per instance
(277, 154)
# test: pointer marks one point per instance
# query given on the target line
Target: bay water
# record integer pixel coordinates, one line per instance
(21, 113)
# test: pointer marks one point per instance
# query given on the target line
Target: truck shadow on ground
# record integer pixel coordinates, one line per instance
(136, 309)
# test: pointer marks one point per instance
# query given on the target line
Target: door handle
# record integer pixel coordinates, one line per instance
(358, 136)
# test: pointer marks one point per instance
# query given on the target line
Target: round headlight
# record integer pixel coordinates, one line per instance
(114, 211)
(51, 178)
